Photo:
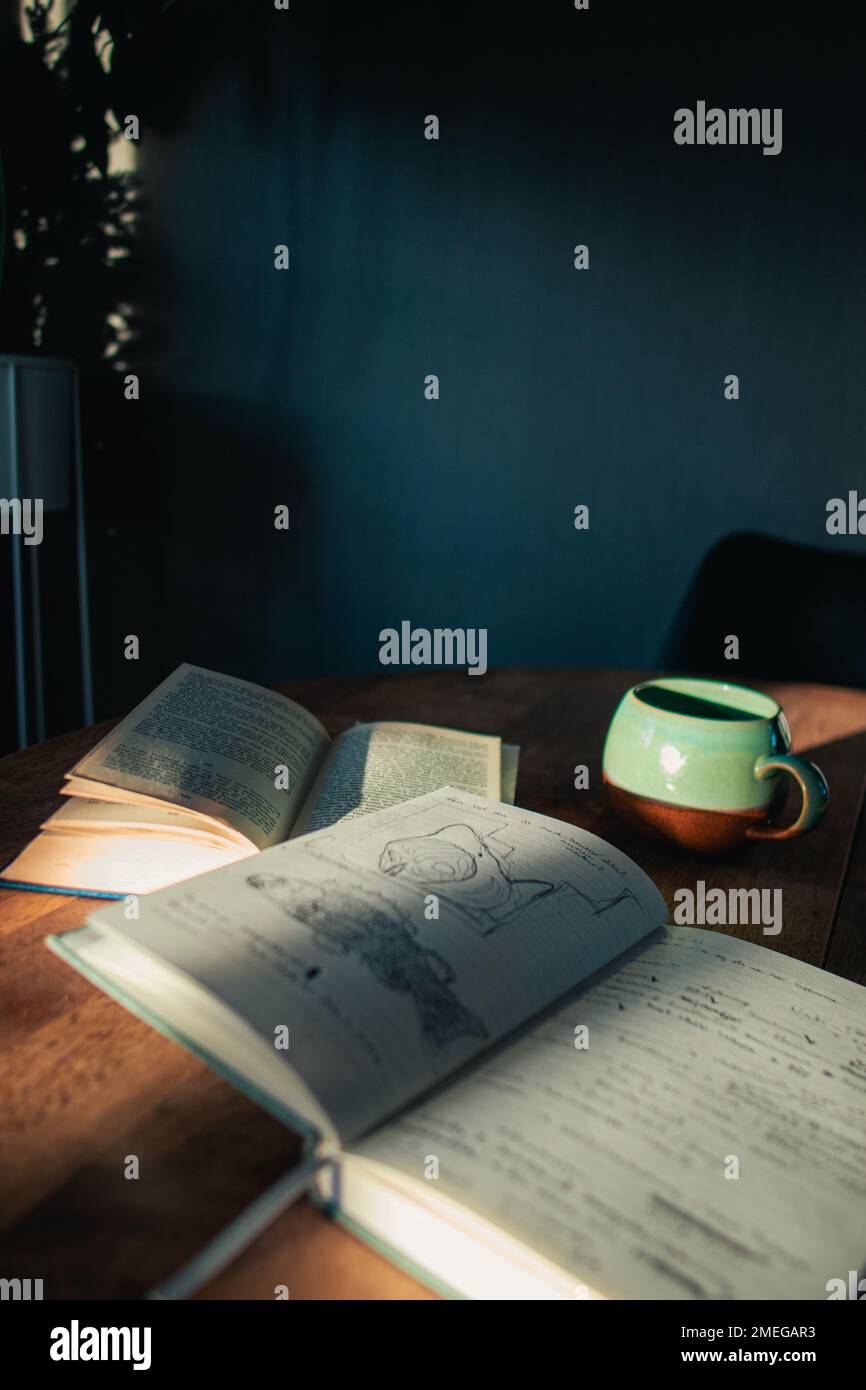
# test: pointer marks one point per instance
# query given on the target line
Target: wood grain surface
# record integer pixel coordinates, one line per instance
(83, 1083)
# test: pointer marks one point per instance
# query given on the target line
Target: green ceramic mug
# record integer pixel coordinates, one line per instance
(699, 762)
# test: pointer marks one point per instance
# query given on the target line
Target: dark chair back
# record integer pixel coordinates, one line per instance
(799, 612)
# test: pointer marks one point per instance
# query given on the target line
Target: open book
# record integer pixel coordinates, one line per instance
(526, 1085)
(210, 769)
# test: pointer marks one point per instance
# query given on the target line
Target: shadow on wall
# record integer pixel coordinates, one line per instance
(798, 611)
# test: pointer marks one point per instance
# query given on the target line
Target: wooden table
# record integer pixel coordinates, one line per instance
(83, 1083)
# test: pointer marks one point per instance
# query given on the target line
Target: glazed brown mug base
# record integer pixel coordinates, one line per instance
(705, 832)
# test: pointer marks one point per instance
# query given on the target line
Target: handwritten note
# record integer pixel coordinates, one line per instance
(708, 1142)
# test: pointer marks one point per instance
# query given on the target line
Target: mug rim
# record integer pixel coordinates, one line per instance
(679, 682)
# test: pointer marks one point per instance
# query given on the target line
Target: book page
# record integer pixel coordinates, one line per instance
(508, 773)
(78, 814)
(373, 766)
(395, 947)
(708, 1142)
(212, 744)
(114, 863)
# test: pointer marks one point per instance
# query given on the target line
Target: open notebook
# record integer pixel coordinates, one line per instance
(210, 769)
(528, 1086)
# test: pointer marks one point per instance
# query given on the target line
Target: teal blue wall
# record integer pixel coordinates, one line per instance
(557, 387)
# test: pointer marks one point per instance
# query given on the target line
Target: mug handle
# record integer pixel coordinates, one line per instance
(812, 785)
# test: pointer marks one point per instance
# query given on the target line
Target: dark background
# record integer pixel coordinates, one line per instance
(455, 257)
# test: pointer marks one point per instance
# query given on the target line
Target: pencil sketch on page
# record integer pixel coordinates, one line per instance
(473, 873)
(347, 920)
(475, 865)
